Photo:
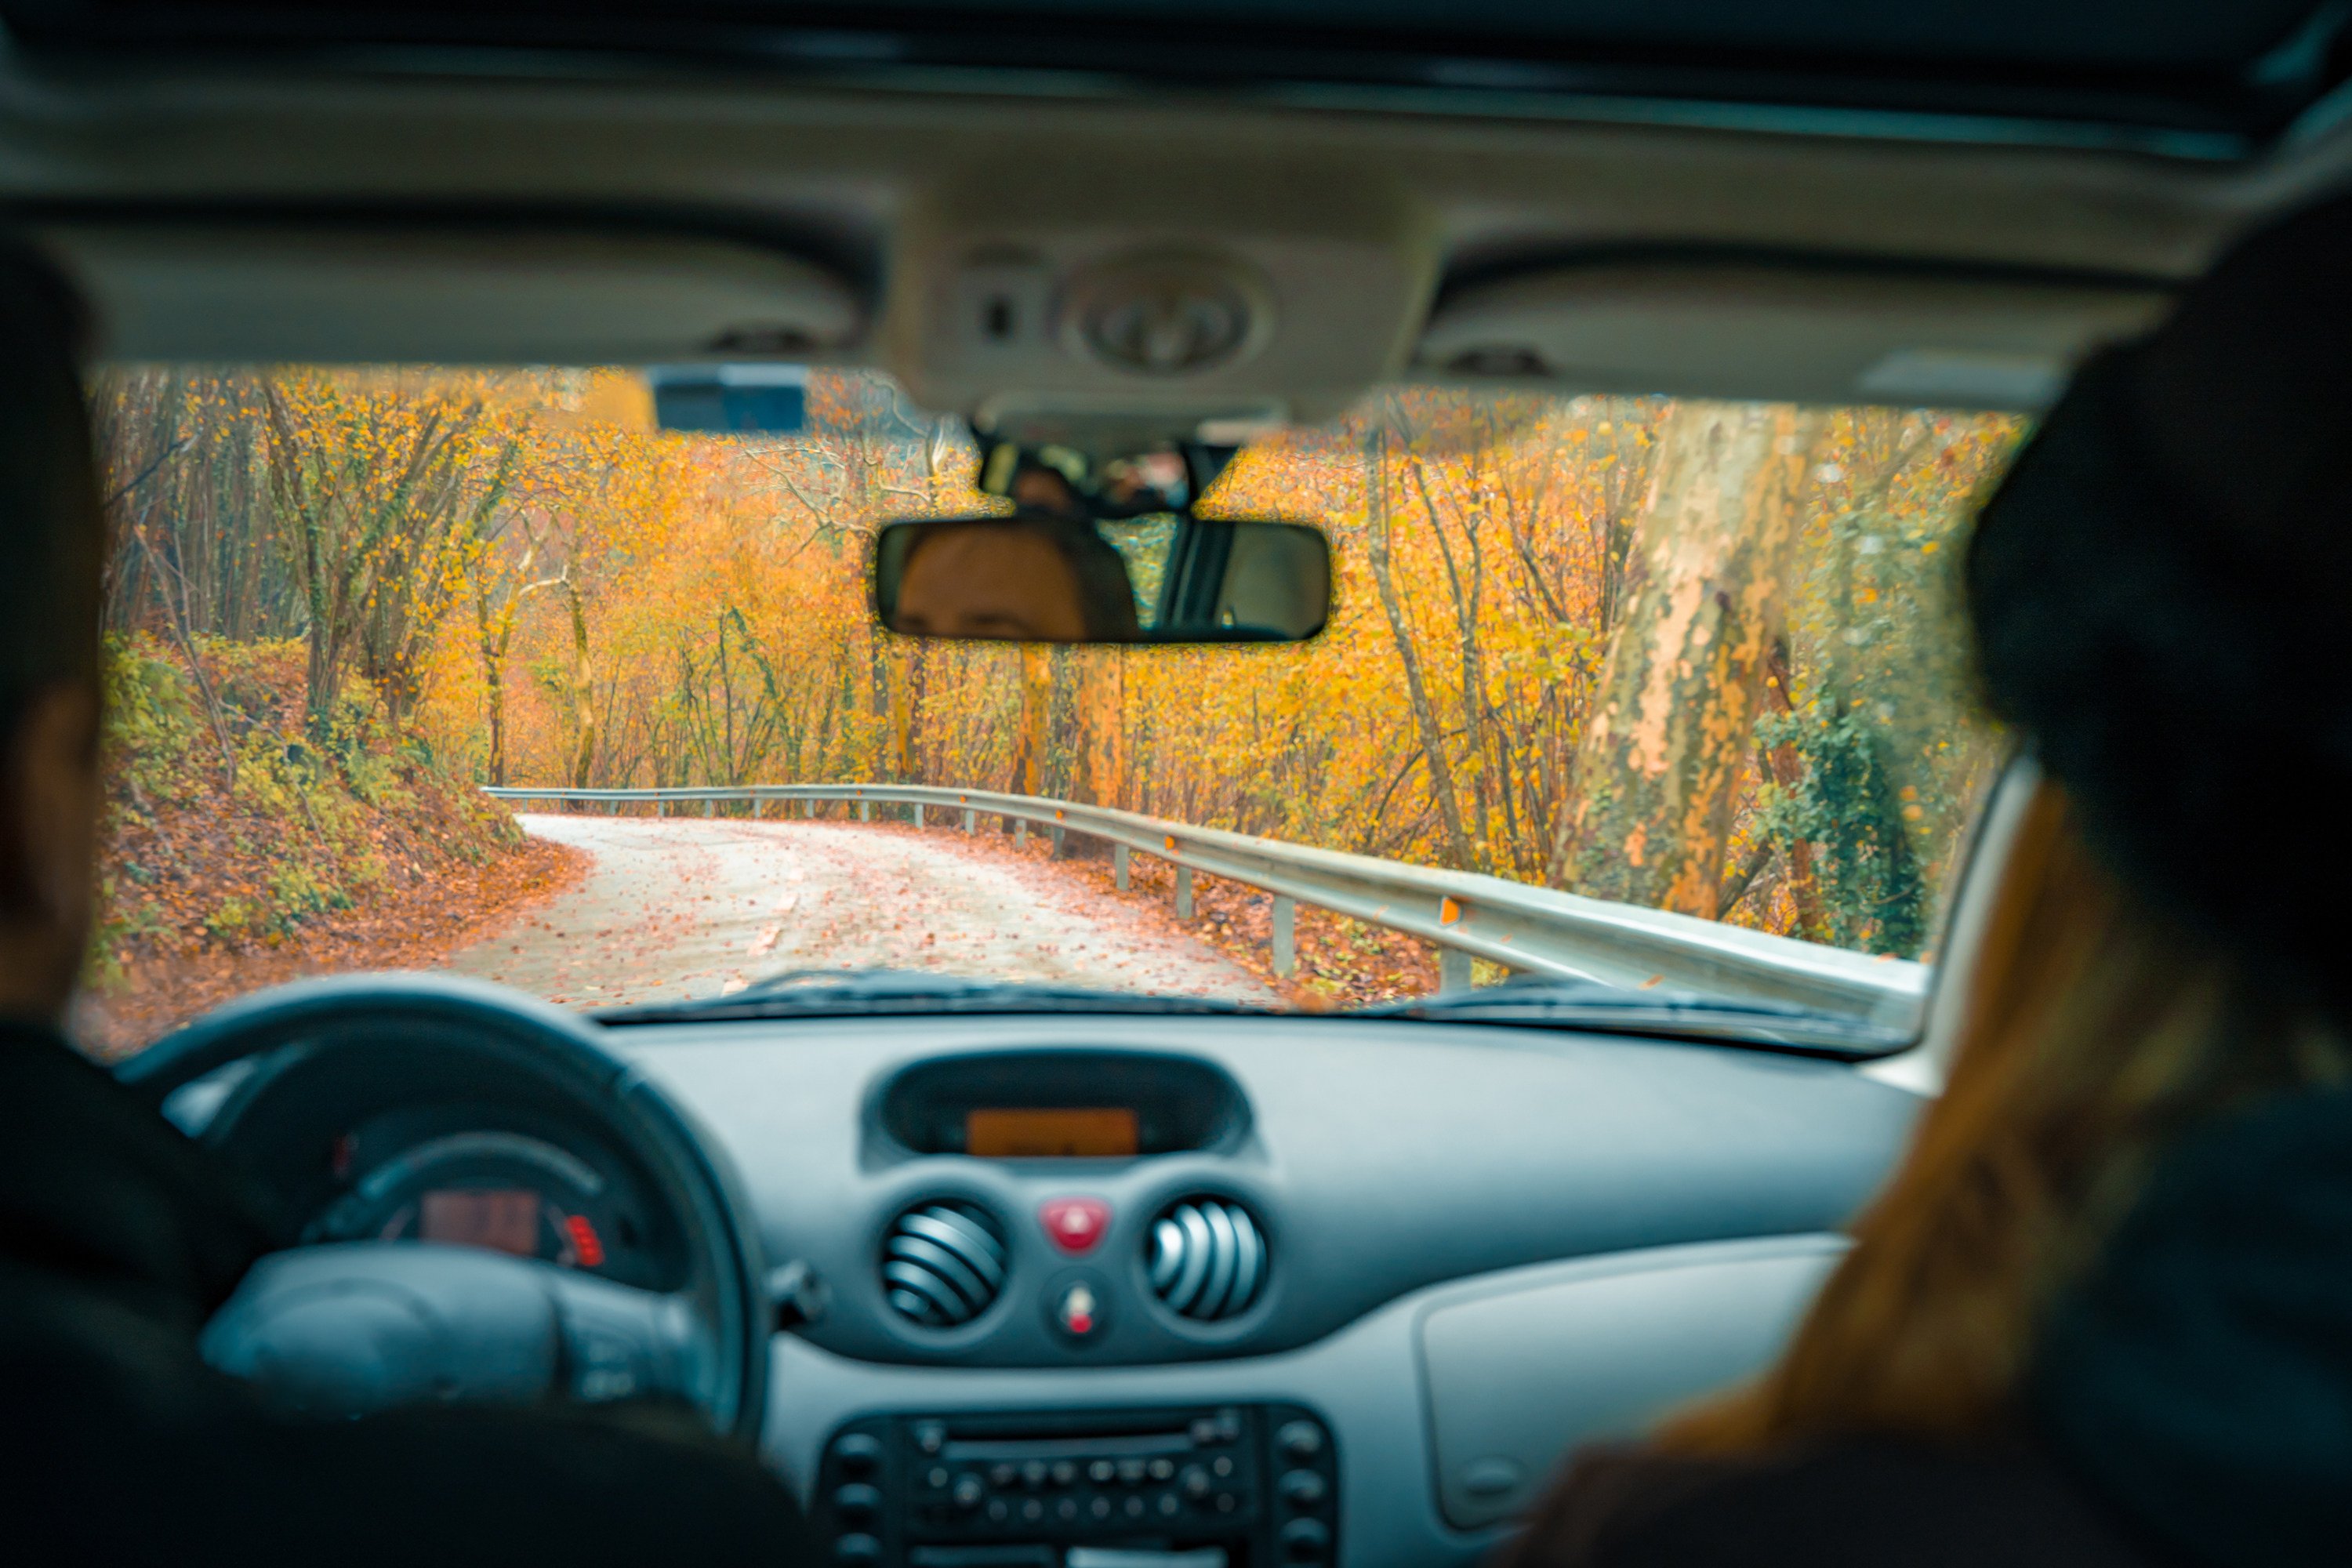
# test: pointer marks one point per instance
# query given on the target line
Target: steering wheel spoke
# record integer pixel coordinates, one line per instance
(619, 1342)
(350, 1327)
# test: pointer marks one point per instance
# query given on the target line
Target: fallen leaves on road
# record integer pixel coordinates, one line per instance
(415, 929)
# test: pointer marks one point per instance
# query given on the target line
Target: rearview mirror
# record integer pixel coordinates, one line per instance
(1044, 576)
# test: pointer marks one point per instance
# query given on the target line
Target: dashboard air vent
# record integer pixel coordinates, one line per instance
(1207, 1260)
(942, 1263)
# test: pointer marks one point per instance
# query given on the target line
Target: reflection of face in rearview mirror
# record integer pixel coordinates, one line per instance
(1023, 579)
(1042, 577)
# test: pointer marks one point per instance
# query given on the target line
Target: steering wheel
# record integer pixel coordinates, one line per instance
(349, 1326)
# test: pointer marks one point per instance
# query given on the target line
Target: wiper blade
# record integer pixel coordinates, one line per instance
(1590, 1005)
(852, 993)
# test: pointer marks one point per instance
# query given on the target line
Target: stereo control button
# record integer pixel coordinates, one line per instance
(859, 1454)
(1065, 1473)
(930, 1436)
(1303, 1488)
(1195, 1482)
(1131, 1471)
(1162, 1469)
(970, 1491)
(1300, 1439)
(1305, 1541)
(1034, 1474)
(858, 1504)
(1101, 1471)
(857, 1550)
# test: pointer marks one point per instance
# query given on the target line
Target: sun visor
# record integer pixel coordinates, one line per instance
(477, 294)
(1784, 331)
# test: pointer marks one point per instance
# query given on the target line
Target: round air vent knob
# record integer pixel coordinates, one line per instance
(943, 1263)
(1207, 1260)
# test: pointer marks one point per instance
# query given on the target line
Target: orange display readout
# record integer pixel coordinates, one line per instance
(1080, 1133)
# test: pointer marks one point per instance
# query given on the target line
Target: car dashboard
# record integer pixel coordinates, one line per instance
(1130, 1291)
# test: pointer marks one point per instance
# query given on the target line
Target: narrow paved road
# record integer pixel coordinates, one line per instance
(674, 908)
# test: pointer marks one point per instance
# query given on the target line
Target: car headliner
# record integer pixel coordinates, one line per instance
(702, 179)
(2235, 75)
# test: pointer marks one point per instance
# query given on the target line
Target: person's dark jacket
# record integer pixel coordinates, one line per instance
(2190, 1402)
(118, 1239)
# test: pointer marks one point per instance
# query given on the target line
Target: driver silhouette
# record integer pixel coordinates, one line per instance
(118, 1236)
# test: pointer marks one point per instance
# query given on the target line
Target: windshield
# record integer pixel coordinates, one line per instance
(1616, 655)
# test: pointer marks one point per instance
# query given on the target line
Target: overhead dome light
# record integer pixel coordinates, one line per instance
(1168, 315)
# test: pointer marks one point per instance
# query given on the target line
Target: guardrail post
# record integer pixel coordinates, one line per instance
(809, 808)
(612, 809)
(1285, 935)
(1020, 833)
(865, 811)
(1119, 866)
(1453, 969)
(661, 808)
(710, 808)
(1183, 892)
(919, 814)
(1057, 841)
(971, 822)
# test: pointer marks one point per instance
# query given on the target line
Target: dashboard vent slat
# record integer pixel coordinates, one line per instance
(942, 1263)
(1207, 1260)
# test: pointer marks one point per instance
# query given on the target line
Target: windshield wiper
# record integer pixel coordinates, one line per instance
(1590, 1005)
(869, 993)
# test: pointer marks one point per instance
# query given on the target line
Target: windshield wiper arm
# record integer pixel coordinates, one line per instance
(1590, 1005)
(850, 993)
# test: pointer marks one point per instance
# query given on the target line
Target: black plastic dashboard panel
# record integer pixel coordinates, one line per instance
(1380, 1157)
(1256, 1483)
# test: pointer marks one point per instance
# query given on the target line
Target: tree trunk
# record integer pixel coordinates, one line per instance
(1101, 769)
(1658, 774)
(1424, 716)
(583, 685)
(1787, 769)
(1037, 718)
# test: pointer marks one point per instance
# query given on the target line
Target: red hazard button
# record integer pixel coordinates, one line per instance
(1076, 1224)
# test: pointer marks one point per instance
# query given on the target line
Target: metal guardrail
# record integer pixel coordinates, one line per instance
(1530, 929)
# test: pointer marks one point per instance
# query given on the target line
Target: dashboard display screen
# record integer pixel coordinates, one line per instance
(505, 1219)
(1078, 1133)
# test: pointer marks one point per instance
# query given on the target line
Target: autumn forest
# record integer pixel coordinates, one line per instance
(1700, 656)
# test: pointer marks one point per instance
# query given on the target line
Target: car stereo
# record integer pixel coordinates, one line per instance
(1229, 1485)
